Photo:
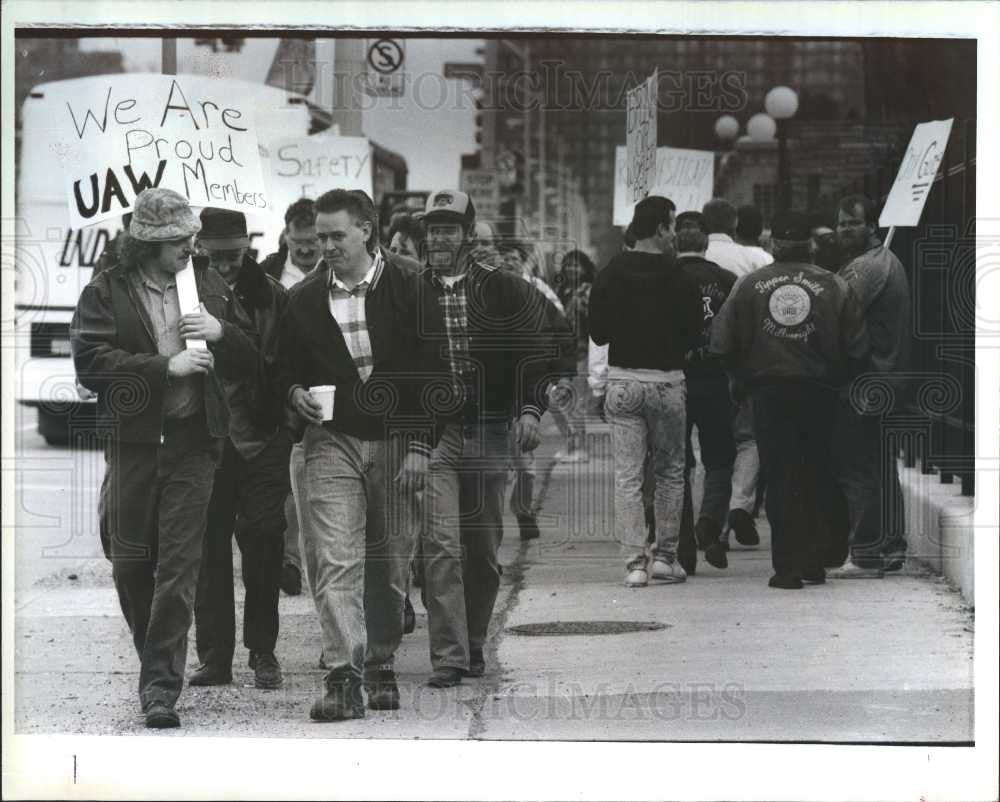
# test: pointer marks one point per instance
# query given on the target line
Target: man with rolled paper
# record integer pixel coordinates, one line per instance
(163, 407)
(355, 368)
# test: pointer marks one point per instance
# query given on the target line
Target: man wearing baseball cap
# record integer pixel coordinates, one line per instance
(251, 483)
(164, 409)
(493, 327)
(793, 333)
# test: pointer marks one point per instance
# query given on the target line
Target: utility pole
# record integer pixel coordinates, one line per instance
(168, 55)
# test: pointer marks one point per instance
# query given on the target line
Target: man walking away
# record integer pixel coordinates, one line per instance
(794, 333)
(749, 227)
(649, 312)
(166, 411)
(252, 483)
(866, 469)
(708, 404)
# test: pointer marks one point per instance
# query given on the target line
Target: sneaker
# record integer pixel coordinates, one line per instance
(785, 582)
(571, 457)
(477, 663)
(743, 528)
(207, 674)
(446, 677)
(636, 578)
(291, 580)
(670, 572)
(160, 716)
(715, 555)
(851, 571)
(380, 685)
(266, 671)
(409, 617)
(343, 699)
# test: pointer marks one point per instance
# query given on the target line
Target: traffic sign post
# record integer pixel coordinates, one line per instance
(384, 61)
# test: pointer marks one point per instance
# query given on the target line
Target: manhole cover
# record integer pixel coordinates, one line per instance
(586, 627)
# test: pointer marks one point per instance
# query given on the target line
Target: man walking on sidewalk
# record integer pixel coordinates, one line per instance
(866, 472)
(251, 485)
(354, 324)
(165, 408)
(492, 326)
(794, 333)
(293, 261)
(650, 313)
(708, 404)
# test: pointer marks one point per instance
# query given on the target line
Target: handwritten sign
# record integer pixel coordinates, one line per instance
(640, 138)
(483, 186)
(130, 132)
(685, 176)
(306, 167)
(916, 174)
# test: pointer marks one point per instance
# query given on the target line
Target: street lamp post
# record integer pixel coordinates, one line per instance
(781, 104)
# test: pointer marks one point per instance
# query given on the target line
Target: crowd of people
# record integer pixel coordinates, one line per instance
(354, 408)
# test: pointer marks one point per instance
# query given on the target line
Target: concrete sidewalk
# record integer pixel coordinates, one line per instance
(854, 661)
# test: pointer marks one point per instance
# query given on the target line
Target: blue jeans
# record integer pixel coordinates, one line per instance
(463, 508)
(747, 464)
(653, 413)
(357, 545)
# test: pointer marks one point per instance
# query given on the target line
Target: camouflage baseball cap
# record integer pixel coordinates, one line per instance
(160, 215)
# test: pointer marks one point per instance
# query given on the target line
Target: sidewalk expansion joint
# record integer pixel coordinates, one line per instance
(490, 684)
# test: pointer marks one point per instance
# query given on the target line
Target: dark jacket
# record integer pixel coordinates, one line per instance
(274, 265)
(517, 344)
(647, 309)
(115, 355)
(714, 285)
(264, 300)
(409, 375)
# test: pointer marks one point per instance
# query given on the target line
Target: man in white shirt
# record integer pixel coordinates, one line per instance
(720, 219)
(749, 227)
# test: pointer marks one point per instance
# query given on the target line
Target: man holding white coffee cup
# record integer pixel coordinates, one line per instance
(351, 336)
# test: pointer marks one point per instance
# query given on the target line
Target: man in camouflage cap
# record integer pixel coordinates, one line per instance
(163, 407)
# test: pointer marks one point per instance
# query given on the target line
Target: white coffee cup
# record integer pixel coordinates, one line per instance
(324, 394)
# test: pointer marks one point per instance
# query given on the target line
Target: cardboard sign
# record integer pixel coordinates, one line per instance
(916, 174)
(685, 176)
(483, 186)
(306, 167)
(640, 138)
(130, 132)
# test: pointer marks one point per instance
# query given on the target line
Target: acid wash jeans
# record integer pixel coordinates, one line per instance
(357, 545)
(637, 410)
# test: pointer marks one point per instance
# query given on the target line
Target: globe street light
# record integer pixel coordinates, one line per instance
(781, 103)
(727, 127)
(761, 127)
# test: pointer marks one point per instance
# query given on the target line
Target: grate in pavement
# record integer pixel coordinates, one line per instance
(586, 627)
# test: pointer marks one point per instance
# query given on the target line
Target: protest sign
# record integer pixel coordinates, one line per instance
(916, 174)
(483, 187)
(306, 167)
(640, 138)
(123, 134)
(685, 176)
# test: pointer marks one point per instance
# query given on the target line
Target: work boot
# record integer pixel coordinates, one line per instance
(785, 582)
(209, 674)
(743, 528)
(380, 685)
(291, 580)
(343, 698)
(161, 716)
(266, 670)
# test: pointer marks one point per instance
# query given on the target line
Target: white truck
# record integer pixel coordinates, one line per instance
(54, 262)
